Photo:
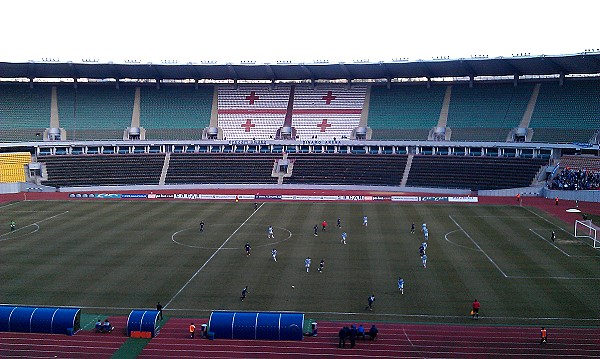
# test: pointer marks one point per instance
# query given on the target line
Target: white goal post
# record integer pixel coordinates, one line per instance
(588, 232)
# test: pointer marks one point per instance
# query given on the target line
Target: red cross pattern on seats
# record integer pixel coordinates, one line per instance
(251, 98)
(248, 125)
(324, 125)
(328, 98)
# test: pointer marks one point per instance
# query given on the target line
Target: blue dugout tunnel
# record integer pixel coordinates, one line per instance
(256, 325)
(39, 320)
(143, 321)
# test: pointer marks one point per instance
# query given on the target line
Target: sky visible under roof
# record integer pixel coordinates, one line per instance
(297, 31)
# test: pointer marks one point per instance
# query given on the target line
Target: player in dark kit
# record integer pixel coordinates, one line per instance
(201, 226)
(244, 293)
(248, 248)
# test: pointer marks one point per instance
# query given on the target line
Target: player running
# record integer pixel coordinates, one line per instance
(270, 232)
(307, 264)
(412, 228)
(344, 235)
(13, 225)
(321, 265)
(316, 229)
(248, 248)
(274, 254)
(424, 260)
(365, 221)
(401, 284)
(244, 293)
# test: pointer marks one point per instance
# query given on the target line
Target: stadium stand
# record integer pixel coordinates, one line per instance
(175, 112)
(347, 169)
(12, 166)
(590, 163)
(257, 112)
(24, 112)
(202, 168)
(327, 112)
(94, 112)
(475, 173)
(567, 113)
(252, 112)
(486, 112)
(99, 170)
(404, 112)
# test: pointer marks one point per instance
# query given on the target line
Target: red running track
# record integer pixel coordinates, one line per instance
(84, 344)
(394, 341)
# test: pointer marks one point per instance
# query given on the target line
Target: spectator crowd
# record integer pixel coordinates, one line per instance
(575, 179)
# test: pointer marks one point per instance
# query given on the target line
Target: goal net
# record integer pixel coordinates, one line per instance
(587, 232)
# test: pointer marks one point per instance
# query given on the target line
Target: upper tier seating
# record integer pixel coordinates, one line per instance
(257, 112)
(252, 111)
(347, 169)
(568, 113)
(327, 112)
(99, 170)
(92, 112)
(189, 168)
(175, 112)
(486, 112)
(24, 112)
(476, 173)
(404, 112)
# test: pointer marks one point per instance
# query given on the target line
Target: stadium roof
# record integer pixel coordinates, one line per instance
(578, 64)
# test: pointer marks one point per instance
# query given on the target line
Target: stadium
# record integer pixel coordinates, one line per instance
(107, 169)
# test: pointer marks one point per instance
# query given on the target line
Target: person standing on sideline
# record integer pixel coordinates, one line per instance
(412, 228)
(475, 311)
(370, 302)
(342, 336)
(274, 254)
(544, 335)
(316, 229)
(344, 235)
(255, 206)
(424, 260)
(553, 236)
(365, 221)
(244, 293)
(192, 330)
(201, 226)
(321, 265)
(270, 232)
(556, 201)
(307, 264)
(248, 248)
(159, 307)
(401, 284)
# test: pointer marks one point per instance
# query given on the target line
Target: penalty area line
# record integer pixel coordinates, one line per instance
(550, 243)
(210, 258)
(479, 247)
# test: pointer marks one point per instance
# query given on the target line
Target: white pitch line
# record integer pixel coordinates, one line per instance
(477, 245)
(210, 258)
(550, 243)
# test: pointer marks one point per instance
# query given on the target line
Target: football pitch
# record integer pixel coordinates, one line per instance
(114, 256)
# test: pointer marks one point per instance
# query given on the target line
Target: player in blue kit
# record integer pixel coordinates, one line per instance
(270, 232)
(274, 254)
(401, 284)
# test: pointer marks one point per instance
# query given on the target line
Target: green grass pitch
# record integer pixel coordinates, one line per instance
(115, 256)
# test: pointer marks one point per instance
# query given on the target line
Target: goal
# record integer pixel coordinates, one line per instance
(587, 231)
